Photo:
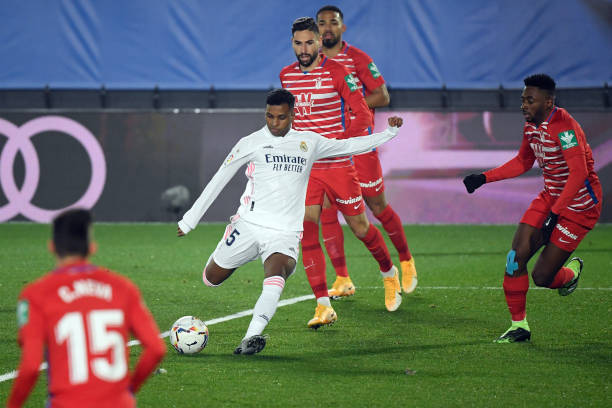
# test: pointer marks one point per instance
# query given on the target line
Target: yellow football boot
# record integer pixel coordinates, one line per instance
(409, 276)
(393, 291)
(323, 316)
(343, 286)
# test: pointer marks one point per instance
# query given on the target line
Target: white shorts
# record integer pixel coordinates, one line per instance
(244, 242)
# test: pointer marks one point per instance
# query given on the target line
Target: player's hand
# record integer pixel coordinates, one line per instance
(549, 226)
(473, 181)
(395, 121)
(179, 232)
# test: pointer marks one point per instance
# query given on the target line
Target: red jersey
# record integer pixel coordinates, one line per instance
(322, 99)
(83, 315)
(362, 67)
(560, 147)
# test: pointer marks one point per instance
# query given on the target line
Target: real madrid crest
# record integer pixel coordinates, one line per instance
(303, 146)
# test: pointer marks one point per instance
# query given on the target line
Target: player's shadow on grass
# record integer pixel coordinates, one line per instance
(576, 354)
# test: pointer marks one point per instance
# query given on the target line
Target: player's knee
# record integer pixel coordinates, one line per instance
(377, 208)
(515, 262)
(209, 281)
(206, 275)
(360, 226)
(541, 278)
(376, 204)
(289, 268)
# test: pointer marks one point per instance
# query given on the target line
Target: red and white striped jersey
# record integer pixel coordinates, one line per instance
(322, 99)
(362, 67)
(552, 144)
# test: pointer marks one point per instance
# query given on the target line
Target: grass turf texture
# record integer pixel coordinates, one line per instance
(436, 350)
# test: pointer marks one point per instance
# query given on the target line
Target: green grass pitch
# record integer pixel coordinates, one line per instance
(436, 350)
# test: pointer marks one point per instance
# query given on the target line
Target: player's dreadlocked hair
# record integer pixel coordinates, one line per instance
(331, 8)
(71, 232)
(279, 97)
(541, 81)
(305, 23)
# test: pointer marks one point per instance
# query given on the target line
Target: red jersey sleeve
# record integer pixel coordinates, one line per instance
(367, 71)
(144, 328)
(30, 320)
(572, 141)
(520, 164)
(348, 89)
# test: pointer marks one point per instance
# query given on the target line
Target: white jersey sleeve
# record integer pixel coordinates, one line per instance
(237, 158)
(353, 145)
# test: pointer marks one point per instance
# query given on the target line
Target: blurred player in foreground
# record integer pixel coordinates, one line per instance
(325, 91)
(372, 84)
(269, 221)
(83, 314)
(561, 215)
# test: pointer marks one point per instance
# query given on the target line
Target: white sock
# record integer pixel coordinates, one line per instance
(324, 301)
(389, 274)
(266, 305)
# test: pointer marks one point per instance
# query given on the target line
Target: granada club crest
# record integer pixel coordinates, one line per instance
(303, 146)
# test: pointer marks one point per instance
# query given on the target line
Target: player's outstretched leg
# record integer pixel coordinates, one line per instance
(373, 240)
(393, 226)
(251, 345)
(277, 267)
(575, 265)
(333, 238)
(314, 266)
(515, 291)
(516, 283)
(266, 305)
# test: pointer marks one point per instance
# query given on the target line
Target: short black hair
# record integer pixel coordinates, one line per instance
(279, 97)
(330, 8)
(541, 81)
(71, 232)
(305, 23)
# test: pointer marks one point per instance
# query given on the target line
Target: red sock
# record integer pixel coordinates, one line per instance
(333, 238)
(561, 278)
(314, 260)
(393, 225)
(515, 290)
(376, 245)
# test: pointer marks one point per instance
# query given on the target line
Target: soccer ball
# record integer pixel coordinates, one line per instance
(188, 335)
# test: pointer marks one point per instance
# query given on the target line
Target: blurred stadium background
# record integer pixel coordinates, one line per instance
(122, 101)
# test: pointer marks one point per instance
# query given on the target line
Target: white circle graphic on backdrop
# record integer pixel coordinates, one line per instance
(19, 141)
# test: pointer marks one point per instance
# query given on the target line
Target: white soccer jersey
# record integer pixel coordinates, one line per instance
(278, 170)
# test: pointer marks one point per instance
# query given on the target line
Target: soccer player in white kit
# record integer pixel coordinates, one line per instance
(269, 221)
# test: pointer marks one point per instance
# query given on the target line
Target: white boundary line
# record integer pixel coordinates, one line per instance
(13, 374)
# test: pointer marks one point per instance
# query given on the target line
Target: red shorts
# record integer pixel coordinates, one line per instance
(369, 173)
(571, 227)
(341, 186)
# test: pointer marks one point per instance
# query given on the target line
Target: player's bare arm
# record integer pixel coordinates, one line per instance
(379, 97)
